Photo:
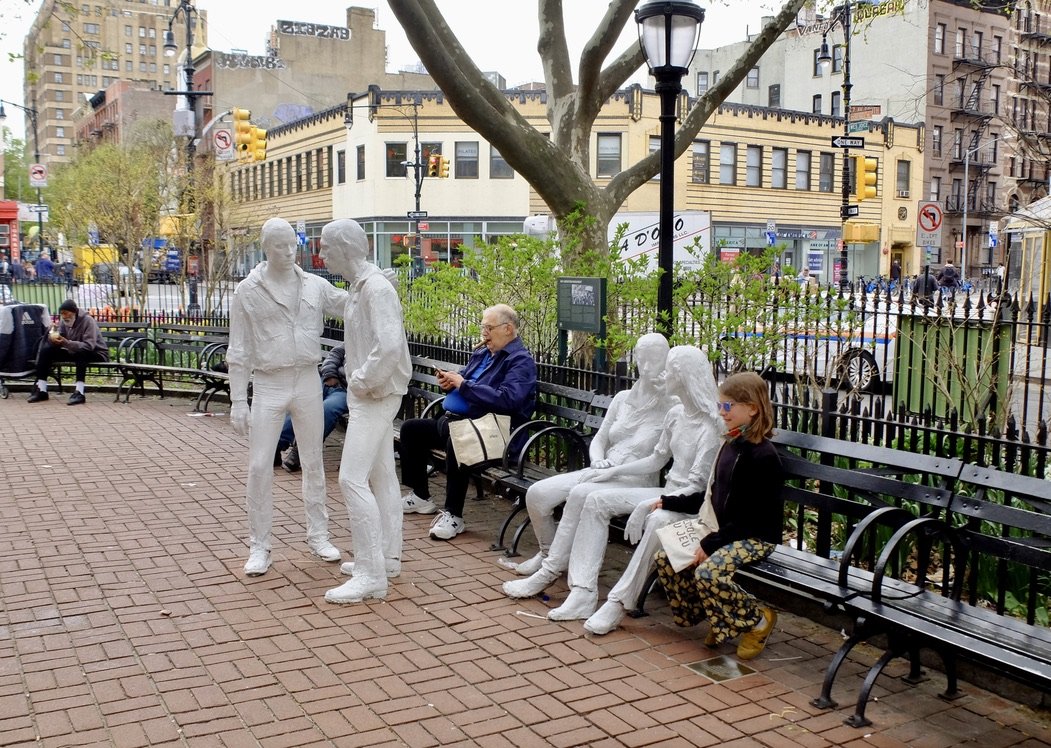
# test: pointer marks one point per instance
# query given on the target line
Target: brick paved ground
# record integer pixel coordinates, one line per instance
(126, 621)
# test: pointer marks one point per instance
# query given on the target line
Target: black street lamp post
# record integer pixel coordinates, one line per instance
(668, 32)
(36, 159)
(824, 59)
(185, 124)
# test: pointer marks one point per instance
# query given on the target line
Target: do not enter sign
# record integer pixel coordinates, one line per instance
(223, 140)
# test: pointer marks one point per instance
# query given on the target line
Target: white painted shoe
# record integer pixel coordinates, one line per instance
(446, 526)
(581, 603)
(607, 618)
(357, 589)
(530, 566)
(258, 563)
(410, 503)
(324, 550)
(392, 566)
(530, 586)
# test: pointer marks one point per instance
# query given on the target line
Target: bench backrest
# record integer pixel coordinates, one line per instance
(1004, 522)
(186, 345)
(833, 484)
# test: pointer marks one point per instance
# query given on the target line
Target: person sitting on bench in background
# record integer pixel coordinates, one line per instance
(78, 339)
(334, 405)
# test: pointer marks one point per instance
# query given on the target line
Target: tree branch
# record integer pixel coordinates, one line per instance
(554, 54)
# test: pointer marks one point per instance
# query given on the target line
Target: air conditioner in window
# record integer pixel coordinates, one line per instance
(903, 193)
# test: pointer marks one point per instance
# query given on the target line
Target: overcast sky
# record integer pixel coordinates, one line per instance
(500, 36)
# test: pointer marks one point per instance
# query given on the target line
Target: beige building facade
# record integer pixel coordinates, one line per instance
(74, 50)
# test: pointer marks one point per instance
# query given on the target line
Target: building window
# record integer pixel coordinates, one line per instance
(360, 165)
(127, 31)
(994, 99)
(998, 48)
(976, 45)
(754, 166)
(655, 145)
(817, 65)
(702, 83)
(903, 178)
(396, 159)
(773, 96)
(961, 43)
(66, 44)
(60, 150)
(152, 50)
(701, 162)
(779, 168)
(752, 79)
(142, 49)
(835, 104)
(936, 189)
(60, 95)
(936, 140)
(815, 104)
(957, 144)
(827, 177)
(607, 163)
(142, 32)
(58, 77)
(957, 195)
(60, 114)
(728, 163)
(939, 90)
(129, 66)
(803, 170)
(837, 58)
(152, 33)
(91, 28)
(466, 156)
(299, 172)
(939, 39)
(990, 195)
(498, 167)
(153, 67)
(167, 69)
(142, 66)
(127, 48)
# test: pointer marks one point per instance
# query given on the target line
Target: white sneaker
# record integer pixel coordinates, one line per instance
(391, 565)
(531, 586)
(446, 526)
(258, 563)
(357, 589)
(606, 619)
(324, 550)
(410, 503)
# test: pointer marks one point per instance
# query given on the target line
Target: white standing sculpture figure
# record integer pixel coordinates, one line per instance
(276, 321)
(689, 438)
(378, 371)
(629, 431)
(649, 516)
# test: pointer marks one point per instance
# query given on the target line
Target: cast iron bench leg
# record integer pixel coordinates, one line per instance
(518, 506)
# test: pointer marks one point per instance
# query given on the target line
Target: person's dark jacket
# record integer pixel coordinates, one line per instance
(334, 365)
(83, 335)
(949, 277)
(925, 285)
(746, 494)
(507, 387)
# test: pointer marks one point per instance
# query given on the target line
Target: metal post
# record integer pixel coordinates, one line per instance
(188, 71)
(668, 87)
(844, 277)
(417, 168)
(39, 201)
(966, 205)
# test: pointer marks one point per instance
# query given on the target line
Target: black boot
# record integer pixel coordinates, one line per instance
(291, 463)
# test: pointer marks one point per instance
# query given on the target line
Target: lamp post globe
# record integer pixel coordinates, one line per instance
(668, 33)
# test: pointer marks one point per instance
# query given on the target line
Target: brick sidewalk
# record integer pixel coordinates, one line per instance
(126, 621)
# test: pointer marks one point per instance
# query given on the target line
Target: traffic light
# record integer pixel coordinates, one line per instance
(257, 149)
(865, 177)
(242, 130)
(443, 167)
(432, 166)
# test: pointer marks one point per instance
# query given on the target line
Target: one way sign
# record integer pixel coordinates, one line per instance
(842, 141)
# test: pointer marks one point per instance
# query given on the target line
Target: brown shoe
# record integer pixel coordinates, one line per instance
(710, 641)
(753, 642)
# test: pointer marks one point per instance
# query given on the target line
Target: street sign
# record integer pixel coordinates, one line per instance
(929, 224)
(38, 176)
(37, 208)
(771, 238)
(858, 126)
(415, 215)
(771, 225)
(424, 226)
(301, 226)
(849, 211)
(223, 140)
(841, 141)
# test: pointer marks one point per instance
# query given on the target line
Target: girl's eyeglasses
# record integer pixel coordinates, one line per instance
(726, 405)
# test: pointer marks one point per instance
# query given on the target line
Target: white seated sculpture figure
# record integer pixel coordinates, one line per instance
(629, 431)
(648, 517)
(276, 320)
(378, 371)
(689, 437)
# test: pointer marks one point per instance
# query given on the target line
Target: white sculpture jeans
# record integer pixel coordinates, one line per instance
(370, 484)
(296, 391)
(545, 496)
(628, 588)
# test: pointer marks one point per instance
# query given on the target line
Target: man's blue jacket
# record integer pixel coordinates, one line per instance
(507, 387)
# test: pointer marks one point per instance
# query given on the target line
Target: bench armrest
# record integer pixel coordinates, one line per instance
(576, 444)
(434, 409)
(883, 515)
(931, 526)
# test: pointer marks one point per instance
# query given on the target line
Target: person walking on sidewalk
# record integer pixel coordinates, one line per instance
(78, 339)
(276, 320)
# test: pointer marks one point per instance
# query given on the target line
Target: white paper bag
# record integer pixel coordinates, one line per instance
(680, 541)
